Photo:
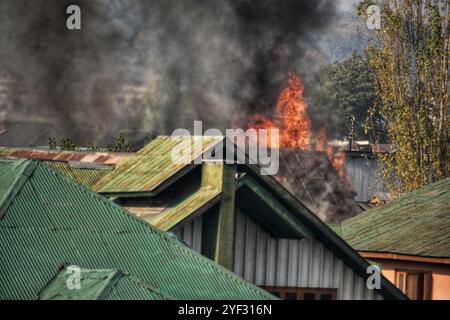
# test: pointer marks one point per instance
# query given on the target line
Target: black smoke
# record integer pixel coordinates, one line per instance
(216, 61)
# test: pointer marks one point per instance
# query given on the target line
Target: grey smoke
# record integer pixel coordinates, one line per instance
(216, 61)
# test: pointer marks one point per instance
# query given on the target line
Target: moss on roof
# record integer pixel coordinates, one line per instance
(417, 223)
(153, 165)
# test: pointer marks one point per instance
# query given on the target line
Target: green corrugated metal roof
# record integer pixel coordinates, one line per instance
(83, 175)
(12, 178)
(170, 217)
(417, 223)
(98, 285)
(152, 165)
(210, 190)
(53, 222)
(336, 227)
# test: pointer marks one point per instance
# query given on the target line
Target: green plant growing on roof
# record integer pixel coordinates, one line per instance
(52, 145)
(67, 144)
(121, 144)
(92, 147)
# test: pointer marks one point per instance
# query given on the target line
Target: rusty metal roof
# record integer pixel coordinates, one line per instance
(86, 175)
(417, 223)
(148, 169)
(111, 158)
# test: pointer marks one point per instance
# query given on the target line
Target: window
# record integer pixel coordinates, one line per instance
(415, 284)
(287, 293)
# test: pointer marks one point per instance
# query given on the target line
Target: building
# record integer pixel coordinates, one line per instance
(311, 178)
(241, 219)
(363, 171)
(410, 239)
(53, 229)
(85, 167)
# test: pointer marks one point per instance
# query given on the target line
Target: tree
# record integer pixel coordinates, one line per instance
(347, 88)
(410, 61)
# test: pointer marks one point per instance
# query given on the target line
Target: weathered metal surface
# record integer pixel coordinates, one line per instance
(366, 179)
(417, 223)
(53, 221)
(83, 175)
(153, 165)
(99, 285)
(191, 234)
(173, 215)
(111, 158)
(268, 261)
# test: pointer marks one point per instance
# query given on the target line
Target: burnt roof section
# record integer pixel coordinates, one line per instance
(312, 179)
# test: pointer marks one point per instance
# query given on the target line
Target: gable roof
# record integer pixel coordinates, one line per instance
(417, 223)
(278, 210)
(151, 168)
(50, 221)
(321, 231)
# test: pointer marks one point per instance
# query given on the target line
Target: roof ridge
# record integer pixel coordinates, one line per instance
(163, 235)
(21, 177)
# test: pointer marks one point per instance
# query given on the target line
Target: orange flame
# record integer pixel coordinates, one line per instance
(294, 124)
(292, 118)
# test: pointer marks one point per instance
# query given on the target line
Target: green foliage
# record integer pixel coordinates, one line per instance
(347, 89)
(92, 147)
(52, 143)
(67, 144)
(410, 61)
(120, 144)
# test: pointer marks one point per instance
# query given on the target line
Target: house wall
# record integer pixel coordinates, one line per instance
(191, 234)
(440, 274)
(366, 178)
(266, 261)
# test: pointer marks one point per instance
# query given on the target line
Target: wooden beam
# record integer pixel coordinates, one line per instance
(403, 257)
(225, 231)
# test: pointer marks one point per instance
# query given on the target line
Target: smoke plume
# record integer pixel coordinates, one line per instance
(216, 61)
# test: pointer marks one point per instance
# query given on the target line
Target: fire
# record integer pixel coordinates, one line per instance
(292, 118)
(294, 125)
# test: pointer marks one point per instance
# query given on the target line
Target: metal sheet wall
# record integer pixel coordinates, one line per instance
(366, 179)
(267, 261)
(191, 233)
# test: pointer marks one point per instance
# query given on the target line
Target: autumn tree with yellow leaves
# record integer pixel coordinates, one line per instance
(409, 57)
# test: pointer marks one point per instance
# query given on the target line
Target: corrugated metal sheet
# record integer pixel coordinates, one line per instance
(54, 222)
(153, 165)
(170, 217)
(111, 158)
(85, 176)
(336, 228)
(99, 285)
(268, 261)
(366, 178)
(191, 234)
(417, 223)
